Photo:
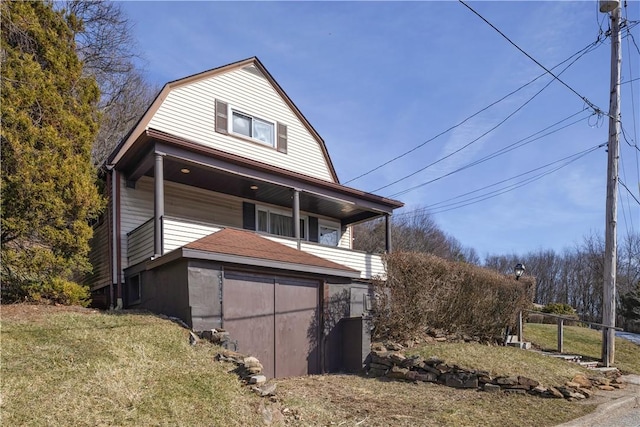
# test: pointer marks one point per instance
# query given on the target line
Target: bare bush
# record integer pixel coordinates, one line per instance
(424, 291)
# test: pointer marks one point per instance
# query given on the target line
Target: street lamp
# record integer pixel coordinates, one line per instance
(519, 270)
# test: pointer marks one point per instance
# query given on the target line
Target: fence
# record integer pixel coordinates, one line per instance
(560, 321)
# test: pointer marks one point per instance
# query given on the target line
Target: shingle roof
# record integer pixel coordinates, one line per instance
(243, 243)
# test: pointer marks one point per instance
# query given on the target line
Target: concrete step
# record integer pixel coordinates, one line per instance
(589, 365)
(568, 357)
(520, 344)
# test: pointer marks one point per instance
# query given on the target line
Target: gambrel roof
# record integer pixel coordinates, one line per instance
(146, 120)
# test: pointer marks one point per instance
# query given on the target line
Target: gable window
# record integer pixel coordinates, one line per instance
(253, 127)
(279, 223)
(228, 120)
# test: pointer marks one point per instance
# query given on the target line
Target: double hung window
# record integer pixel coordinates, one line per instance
(253, 127)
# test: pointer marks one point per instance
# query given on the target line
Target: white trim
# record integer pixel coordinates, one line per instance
(274, 126)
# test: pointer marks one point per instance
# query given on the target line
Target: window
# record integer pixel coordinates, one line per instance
(329, 235)
(279, 223)
(228, 120)
(253, 127)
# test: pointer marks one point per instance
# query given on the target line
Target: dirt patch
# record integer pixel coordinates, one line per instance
(37, 311)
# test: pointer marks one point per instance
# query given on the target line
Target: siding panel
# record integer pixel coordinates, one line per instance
(189, 112)
(99, 256)
(190, 204)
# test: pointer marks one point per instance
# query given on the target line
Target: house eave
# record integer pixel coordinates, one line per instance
(187, 253)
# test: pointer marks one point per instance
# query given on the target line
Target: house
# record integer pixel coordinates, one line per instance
(225, 211)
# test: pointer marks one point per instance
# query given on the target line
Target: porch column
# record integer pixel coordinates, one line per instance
(296, 215)
(387, 229)
(158, 204)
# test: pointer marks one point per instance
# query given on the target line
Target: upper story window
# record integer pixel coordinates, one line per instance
(230, 121)
(253, 127)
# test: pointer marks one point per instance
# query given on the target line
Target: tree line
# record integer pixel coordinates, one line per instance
(574, 276)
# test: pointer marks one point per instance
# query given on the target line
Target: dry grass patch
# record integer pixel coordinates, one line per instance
(81, 367)
(353, 400)
(504, 361)
(89, 368)
(584, 342)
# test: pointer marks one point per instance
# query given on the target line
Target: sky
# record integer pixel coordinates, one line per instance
(411, 81)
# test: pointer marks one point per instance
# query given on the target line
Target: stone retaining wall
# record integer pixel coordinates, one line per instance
(388, 361)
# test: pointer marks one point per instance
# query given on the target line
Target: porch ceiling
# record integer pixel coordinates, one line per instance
(267, 192)
(220, 172)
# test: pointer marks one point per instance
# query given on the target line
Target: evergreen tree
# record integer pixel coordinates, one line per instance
(49, 121)
(630, 305)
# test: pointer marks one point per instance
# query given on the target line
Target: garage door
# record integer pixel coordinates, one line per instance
(275, 319)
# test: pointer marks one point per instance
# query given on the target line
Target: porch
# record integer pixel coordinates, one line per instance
(177, 232)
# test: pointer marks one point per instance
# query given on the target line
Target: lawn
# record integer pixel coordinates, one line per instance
(584, 342)
(63, 366)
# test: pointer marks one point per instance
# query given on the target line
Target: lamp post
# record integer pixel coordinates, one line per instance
(519, 271)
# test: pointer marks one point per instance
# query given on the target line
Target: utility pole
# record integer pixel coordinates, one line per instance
(611, 215)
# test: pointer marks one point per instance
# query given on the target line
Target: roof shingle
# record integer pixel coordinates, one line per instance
(248, 244)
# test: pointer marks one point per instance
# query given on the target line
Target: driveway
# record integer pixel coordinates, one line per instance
(635, 338)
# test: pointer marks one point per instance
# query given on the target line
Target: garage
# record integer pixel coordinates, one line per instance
(275, 319)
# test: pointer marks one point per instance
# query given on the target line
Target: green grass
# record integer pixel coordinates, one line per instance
(584, 342)
(132, 369)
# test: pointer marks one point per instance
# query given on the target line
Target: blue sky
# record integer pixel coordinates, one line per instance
(377, 79)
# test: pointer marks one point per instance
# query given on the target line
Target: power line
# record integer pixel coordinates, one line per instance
(520, 143)
(591, 105)
(629, 191)
(580, 53)
(477, 199)
(484, 134)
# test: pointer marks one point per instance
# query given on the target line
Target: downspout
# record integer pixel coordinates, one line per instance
(111, 240)
(114, 239)
(119, 304)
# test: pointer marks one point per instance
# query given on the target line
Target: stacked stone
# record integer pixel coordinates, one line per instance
(216, 336)
(387, 360)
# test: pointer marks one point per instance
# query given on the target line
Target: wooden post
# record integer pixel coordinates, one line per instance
(611, 214)
(560, 335)
(296, 216)
(520, 334)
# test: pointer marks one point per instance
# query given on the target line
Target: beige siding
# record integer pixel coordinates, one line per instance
(178, 232)
(181, 201)
(345, 240)
(99, 256)
(369, 265)
(140, 243)
(189, 112)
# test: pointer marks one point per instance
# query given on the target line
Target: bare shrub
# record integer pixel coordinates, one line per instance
(423, 291)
